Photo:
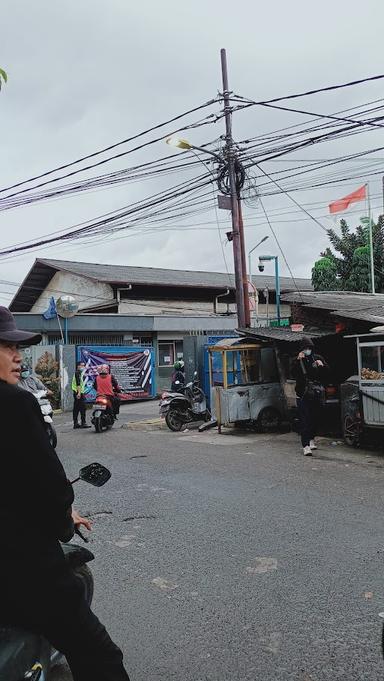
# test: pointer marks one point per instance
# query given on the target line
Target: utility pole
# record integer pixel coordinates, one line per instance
(247, 311)
(242, 302)
(383, 193)
(371, 253)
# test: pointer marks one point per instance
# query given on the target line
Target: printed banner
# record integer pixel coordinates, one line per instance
(132, 367)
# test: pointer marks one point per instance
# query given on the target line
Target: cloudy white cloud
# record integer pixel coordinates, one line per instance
(85, 74)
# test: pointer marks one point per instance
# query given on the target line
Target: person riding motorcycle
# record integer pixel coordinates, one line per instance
(106, 384)
(38, 590)
(178, 376)
(30, 382)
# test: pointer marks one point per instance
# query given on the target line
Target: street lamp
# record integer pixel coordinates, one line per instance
(250, 253)
(250, 276)
(180, 143)
(266, 258)
(230, 169)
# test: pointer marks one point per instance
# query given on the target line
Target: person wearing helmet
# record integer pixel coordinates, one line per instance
(106, 384)
(178, 376)
(310, 372)
(30, 382)
(42, 593)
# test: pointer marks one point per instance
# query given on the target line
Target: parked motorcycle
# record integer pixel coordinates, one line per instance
(25, 655)
(180, 408)
(103, 416)
(47, 411)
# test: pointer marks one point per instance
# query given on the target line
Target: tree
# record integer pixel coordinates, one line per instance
(359, 279)
(3, 77)
(324, 275)
(47, 369)
(349, 253)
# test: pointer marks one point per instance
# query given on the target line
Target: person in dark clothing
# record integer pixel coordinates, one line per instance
(38, 591)
(178, 377)
(78, 389)
(310, 369)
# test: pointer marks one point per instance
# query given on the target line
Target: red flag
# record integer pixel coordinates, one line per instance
(343, 204)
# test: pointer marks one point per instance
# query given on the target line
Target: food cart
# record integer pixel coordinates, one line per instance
(362, 396)
(245, 384)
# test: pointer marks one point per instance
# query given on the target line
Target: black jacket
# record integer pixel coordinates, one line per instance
(314, 373)
(178, 376)
(35, 495)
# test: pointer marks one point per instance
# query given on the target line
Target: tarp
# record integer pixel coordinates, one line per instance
(133, 367)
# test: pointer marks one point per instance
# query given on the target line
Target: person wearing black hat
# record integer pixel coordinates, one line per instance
(310, 371)
(38, 591)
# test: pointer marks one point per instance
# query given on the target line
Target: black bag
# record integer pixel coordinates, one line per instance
(313, 390)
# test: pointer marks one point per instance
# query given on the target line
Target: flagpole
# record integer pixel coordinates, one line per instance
(372, 263)
(61, 330)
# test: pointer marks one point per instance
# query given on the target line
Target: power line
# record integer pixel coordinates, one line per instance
(92, 227)
(327, 116)
(107, 160)
(275, 133)
(281, 249)
(111, 146)
(294, 200)
(307, 93)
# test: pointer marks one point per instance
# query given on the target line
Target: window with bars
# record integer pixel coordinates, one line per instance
(105, 339)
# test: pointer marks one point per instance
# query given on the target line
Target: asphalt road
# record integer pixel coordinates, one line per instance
(228, 558)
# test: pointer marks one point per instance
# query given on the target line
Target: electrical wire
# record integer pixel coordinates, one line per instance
(307, 93)
(111, 158)
(281, 249)
(294, 200)
(112, 146)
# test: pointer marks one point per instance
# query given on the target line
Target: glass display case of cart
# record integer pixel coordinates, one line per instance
(362, 396)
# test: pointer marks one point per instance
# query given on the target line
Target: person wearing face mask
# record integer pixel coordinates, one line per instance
(38, 590)
(30, 382)
(310, 370)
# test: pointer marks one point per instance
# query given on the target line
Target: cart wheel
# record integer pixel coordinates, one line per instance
(269, 419)
(351, 431)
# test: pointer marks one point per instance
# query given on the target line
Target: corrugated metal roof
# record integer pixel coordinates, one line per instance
(343, 300)
(365, 307)
(284, 334)
(128, 274)
(43, 270)
(375, 315)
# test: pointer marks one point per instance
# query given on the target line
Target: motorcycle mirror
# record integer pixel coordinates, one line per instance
(96, 474)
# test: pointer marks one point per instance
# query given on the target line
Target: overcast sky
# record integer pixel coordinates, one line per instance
(85, 74)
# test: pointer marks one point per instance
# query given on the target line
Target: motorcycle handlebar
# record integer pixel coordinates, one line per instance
(80, 534)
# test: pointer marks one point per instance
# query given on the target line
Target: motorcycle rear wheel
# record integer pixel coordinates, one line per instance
(86, 576)
(174, 420)
(99, 426)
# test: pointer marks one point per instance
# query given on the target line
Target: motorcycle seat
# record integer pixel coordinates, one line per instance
(76, 555)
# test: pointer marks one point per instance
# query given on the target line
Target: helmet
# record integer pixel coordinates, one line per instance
(179, 366)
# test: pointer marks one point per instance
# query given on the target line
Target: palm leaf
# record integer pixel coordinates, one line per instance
(3, 77)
